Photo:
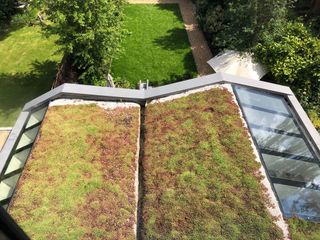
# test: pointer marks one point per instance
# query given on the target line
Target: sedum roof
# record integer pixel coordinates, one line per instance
(283, 137)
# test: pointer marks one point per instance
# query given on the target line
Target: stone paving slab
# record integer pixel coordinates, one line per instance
(3, 137)
(199, 46)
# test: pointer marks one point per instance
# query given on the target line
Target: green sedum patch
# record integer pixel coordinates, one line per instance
(303, 230)
(79, 181)
(201, 177)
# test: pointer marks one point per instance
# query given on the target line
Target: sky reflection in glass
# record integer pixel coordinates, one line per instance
(290, 162)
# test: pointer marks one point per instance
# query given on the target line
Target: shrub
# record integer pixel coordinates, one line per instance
(90, 32)
(29, 17)
(292, 54)
(239, 24)
(6, 10)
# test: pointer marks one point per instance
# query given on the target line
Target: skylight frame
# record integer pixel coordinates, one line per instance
(306, 136)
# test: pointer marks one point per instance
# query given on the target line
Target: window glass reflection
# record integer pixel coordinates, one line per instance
(281, 143)
(296, 170)
(271, 120)
(287, 156)
(297, 201)
(261, 100)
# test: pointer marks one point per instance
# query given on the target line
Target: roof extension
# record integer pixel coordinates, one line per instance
(191, 138)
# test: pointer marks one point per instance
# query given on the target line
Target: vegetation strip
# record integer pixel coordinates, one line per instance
(201, 177)
(79, 181)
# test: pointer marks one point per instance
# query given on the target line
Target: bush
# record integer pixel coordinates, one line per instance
(89, 31)
(6, 10)
(239, 24)
(315, 118)
(29, 17)
(292, 54)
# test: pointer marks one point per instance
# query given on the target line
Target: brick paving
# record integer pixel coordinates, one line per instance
(199, 46)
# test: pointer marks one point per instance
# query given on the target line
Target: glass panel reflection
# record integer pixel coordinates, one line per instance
(261, 100)
(297, 201)
(270, 120)
(281, 143)
(288, 158)
(286, 168)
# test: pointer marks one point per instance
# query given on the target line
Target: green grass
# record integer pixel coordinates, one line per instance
(79, 181)
(157, 48)
(27, 69)
(201, 177)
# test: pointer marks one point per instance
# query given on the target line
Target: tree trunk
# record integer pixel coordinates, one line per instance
(66, 72)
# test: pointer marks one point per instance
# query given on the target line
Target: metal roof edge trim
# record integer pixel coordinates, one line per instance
(271, 87)
(68, 90)
(43, 98)
(183, 86)
(307, 124)
(12, 139)
(122, 94)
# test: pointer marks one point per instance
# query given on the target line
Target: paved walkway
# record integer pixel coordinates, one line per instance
(3, 137)
(200, 50)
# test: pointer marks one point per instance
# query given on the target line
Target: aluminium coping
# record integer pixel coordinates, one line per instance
(142, 96)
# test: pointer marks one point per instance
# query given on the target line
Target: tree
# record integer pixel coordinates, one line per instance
(292, 54)
(90, 34)
(6, 10)
(239, 24)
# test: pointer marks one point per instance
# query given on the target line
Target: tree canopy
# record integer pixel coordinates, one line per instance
(239, 24)
(292, 54)
(90, 33)
(6, 10)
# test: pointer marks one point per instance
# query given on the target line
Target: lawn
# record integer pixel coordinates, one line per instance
(79, 182)
(157, 48)
(201, 179)
(28, 66)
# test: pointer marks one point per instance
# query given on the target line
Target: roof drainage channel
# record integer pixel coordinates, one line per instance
(288, 155)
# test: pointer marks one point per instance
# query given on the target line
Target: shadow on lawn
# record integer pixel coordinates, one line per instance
(18, 88)
(170, 7)
(177, 40)
(174, 40)
(7, 30)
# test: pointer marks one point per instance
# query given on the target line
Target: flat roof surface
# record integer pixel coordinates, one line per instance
(79, 181)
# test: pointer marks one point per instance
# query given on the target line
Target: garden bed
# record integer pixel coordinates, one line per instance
(80, 180)
(201, 179)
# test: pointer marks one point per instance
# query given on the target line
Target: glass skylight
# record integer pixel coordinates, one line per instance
(288, 157)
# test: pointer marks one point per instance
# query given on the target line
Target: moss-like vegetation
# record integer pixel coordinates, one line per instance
(79, 181)
(303, 230)
(201, 177)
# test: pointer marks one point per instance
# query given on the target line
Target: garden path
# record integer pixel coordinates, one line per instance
(4, 133)
(200, 49)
